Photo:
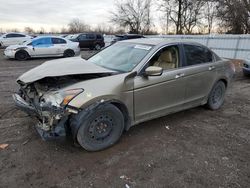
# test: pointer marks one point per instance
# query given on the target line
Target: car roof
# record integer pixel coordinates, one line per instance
(89, 33)
(39, 37)
(15, 33)
(160, 41)
(132, 35)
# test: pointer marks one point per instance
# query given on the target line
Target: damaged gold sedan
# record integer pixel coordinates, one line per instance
(130, 82)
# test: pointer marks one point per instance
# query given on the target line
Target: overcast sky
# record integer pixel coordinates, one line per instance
(52, 13)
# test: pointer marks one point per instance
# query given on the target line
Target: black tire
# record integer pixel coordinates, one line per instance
(217, 96)
(69, 53)
(21, 55)
(98, 47)
(100, 128)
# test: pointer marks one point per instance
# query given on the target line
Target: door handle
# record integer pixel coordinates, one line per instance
(179, 75)
(211, 68)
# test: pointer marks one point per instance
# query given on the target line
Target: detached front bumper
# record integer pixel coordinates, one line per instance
(51, 122)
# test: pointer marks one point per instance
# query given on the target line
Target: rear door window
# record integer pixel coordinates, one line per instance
(197, 55)
(58, 41)
(99, 37)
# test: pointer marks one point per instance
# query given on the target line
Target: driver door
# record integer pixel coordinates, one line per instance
(43, 47)
(155, 96)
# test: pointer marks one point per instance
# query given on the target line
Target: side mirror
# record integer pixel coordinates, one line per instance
(153, 71)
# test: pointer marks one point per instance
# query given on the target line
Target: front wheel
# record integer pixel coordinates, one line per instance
(101, 128)
(216, 96)
(21, 55)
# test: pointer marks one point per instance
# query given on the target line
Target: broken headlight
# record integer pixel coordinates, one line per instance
(60, 98)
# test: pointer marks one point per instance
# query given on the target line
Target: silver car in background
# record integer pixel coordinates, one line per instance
(8, 39)
(46, 46)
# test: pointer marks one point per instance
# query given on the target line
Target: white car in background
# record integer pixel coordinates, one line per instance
(13, 38)
(49, 46)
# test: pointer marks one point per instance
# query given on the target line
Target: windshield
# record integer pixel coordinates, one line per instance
(27, 42)
(122, 57)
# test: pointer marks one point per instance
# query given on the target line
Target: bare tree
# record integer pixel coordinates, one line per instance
(77, 26)
(210, 12)
(133, 14)
(41, 30)
(234, 15)
(184, 14)
(191, 14)
(29, 30)
(173, 11)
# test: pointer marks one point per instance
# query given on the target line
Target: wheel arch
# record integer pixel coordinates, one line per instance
(223, 79)
(22, 50)
(123, 108)
(74, 126)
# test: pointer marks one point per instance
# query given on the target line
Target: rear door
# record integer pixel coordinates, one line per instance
(59, 45)
(200, 72)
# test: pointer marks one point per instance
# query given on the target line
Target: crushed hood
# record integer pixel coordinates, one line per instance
(62, 67)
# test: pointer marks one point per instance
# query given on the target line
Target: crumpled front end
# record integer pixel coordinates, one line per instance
(49, 107)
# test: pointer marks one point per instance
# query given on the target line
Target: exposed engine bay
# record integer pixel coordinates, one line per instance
(49, 104)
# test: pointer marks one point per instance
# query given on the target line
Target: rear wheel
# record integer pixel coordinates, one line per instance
(21, 55)
(98, 47)
(216, 96)
(101, 128)
(69, 53)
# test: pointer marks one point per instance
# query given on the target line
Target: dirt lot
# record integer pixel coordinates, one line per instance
(194, 148)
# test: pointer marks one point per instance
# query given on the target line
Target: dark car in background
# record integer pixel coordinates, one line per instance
(126, 37)
(246, 68)
(88, 40)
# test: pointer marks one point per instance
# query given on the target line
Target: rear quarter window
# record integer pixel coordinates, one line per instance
(90, 36)
(98, 36)
(197, 55)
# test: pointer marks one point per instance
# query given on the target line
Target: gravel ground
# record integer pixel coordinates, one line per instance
(193, 148)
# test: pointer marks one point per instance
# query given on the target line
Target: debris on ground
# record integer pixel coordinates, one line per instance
(127, 186)
(124, 177)
(3, 146)
(25, 142)
(167, 127)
